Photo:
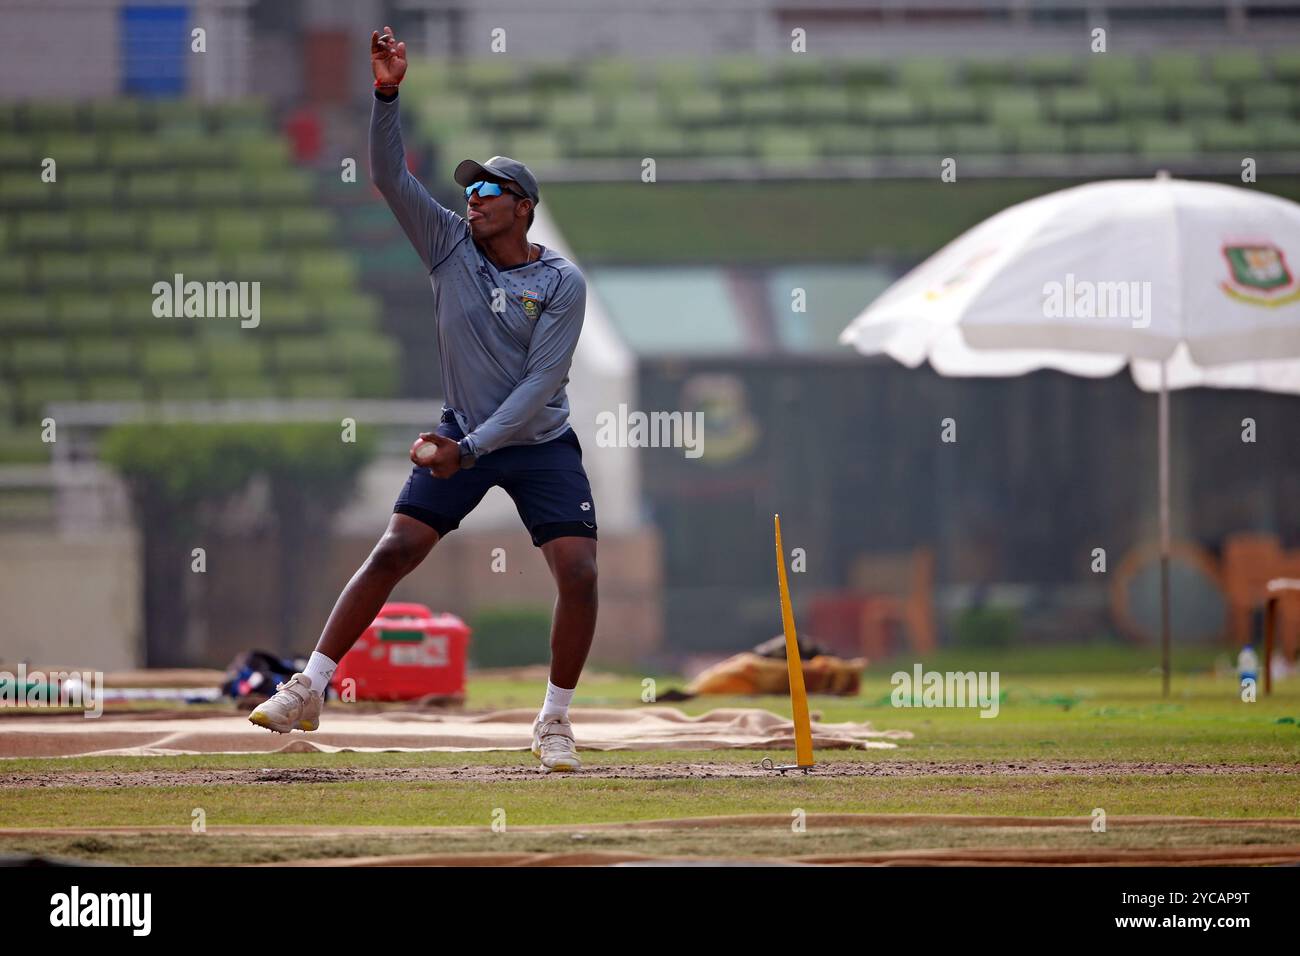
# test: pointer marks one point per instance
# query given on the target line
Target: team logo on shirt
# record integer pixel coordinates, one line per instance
(531, 302)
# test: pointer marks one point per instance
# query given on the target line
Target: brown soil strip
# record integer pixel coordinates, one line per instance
(108, 779)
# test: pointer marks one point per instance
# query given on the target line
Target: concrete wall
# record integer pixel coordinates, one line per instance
(70, 600)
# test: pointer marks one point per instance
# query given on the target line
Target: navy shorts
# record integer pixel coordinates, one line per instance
(546, 482)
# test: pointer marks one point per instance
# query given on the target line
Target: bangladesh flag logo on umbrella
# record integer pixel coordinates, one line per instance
(1259, 275)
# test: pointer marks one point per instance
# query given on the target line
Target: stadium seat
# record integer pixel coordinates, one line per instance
(1011, 108)
(1052, 68)
(169, 359)
(84, 313)
(1167, 142)
(893, 106)
(1236, 67)
(954, 105)
(302, 226)
(1077, 105)
(1173, 71)
(239, 230)
(103, 356)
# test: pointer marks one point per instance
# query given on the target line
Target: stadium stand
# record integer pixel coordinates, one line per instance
(144, 191)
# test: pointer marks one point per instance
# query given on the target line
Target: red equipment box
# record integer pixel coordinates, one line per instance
(407, 653)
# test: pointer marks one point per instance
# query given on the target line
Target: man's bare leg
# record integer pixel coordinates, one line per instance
(573, 565)
(403, 546)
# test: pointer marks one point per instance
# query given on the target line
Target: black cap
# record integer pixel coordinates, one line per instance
(503, 167)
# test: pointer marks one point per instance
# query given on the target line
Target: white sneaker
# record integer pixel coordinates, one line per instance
(294, 707)
(553, 743)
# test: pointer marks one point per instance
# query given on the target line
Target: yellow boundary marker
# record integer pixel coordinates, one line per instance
(798, 696)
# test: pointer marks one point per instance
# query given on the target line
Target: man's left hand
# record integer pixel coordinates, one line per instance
(446, 460)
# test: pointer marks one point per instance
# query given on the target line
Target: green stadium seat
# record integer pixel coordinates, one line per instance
(184, 389)
(785, 147)
(1111, 72)
(103, 356)
(136, 151)
(924, 74)
(348, 310)
(239, 230)
(315, 386)
(568, 110)
(1052, 68)
(848, 140)
(243, 115)
(46, 229)
(372, 366)
(1201, 101)
(326, 270)
(117, 113)
(1011, 108)
(90, 189)
(139, 269)
(63, 268)
(282, 312)
(37, 393)
(23, 445)
(696, 107)
(215, 188)
(1265, 99)
(300, 226)
(1041, 139)
(298, 354)
(742, 72)
(44, 116)
(25, 313)
(977, 139)
(989, 71)
(116, 390)
(1279, 134)
(26, 190)
(169, 359)
(262, 153)
(636, 109)
(1173, 71)
(1222, 137)
(1102, 138)
(199, 265)
(820, 104)
(955, 105)
(914, 141)
(585, 144)
(15, 152)
(167, 232)
(265, 266)
(487, 73)
(85, 313)
(284, 186)
(154, 188)
(231, 356)
(511, 109)
(1167, 142)
(1236, 67)
(247, 387)
(1286, 66)
(188, 149)
(15, 271)
(865, 72)
(1077, 105)
(892, 106)
(37, 355)
(762, 106)
(1142, 102)
(72, 152)
(539, 146)
(723, 141)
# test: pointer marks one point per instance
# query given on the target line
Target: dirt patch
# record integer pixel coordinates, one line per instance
(107, 779)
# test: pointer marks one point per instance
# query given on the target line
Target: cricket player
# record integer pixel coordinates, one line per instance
(507, 313)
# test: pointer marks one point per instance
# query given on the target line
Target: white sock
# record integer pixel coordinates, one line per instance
(320, 670)
(557, 700)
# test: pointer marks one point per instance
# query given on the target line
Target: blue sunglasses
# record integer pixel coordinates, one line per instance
(486, 188)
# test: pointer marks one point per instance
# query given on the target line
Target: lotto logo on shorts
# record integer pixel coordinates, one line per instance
(585, 506)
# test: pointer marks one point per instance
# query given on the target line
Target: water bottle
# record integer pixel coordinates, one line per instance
(1247, 664)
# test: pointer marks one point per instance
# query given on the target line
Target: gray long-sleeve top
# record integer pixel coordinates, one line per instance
(504, 371)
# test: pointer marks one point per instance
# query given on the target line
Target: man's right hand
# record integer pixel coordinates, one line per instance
(387, 58)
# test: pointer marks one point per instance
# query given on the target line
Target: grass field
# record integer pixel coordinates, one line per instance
(1063, 745)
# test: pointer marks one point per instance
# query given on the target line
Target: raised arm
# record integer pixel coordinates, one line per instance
(432, 228)
(550, 353)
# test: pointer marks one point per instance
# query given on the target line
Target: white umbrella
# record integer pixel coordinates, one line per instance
(1188, 283)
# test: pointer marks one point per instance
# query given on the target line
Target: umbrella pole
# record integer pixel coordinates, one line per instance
(1163, 441)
